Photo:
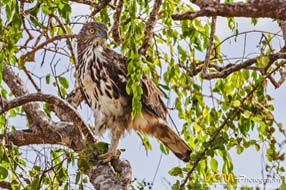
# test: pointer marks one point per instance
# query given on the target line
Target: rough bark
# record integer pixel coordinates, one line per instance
(254, 9)
(104, 177)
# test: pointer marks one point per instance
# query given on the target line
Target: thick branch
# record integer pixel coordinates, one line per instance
(64, 134)
(51, 99)
(5, 185)
(260, 9)
(35, 115)
(103, 176)
(148, 32)
(74, 98)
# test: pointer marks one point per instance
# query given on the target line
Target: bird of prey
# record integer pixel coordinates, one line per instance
(102, 76)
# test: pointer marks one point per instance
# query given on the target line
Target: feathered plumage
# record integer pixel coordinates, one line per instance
(102, 76)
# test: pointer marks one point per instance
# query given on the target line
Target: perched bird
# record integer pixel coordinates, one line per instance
(102, 76)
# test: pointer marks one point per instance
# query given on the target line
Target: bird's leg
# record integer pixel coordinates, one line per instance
(99, 124)
(113, 153)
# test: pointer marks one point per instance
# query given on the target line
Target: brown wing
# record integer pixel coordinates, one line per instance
(154, 110)
(151, 98)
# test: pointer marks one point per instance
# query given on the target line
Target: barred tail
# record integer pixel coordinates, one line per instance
(171, 140)
(168, 137)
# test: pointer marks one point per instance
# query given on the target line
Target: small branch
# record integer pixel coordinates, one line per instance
(97, 7)
(282, 25)
(31, 79)
(69, 44)
(30, 56)
(235, 67)
(28, 137)
(260, 9)
(86, 2)
(148, 32)
(214, 137)
(278, 83)
(115, 28)
(74, 98)
(201, 3)
(210, 47)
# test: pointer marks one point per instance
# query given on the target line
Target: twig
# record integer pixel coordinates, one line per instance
(210, 46)
(31, 79)
(30, 56)
(69, 44)
(243, 33)
(235, 67)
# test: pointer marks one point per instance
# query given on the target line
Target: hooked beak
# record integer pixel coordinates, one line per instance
(100, 39)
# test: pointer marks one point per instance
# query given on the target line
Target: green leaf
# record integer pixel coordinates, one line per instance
(145, 140)
(101, 147)
(254, 21)
(64, 82)
(77, 177)
(3, 173)
(176, 171)
(48, 78)
(239, 150)
(46, 10)
(214, 164)
(163, 149)
(236, 103)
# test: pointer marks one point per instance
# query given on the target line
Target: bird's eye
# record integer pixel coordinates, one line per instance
(91, 30)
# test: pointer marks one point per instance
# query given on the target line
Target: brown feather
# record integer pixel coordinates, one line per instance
(102, 76)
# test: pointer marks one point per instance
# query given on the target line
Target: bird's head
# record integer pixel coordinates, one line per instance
(93, 34)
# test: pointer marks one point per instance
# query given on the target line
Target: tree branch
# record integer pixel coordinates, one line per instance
(282, 25)
(35, 115)
(258, 9)
(51, 99)
(97, 7)
(148, 32)
(30, 56)
(115, 28)
(103, 176)
(210, 47)
(64, 134)
(5, 185)
(74, 98)
(236, 67)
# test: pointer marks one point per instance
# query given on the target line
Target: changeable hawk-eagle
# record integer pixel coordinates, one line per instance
(102, 76)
